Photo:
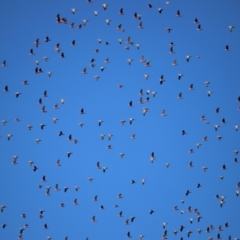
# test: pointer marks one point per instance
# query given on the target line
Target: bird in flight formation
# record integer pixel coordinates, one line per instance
(134, 112)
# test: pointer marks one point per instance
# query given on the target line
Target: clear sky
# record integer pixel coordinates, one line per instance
(23, 22)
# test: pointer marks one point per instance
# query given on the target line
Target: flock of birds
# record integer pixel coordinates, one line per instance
(167, 234)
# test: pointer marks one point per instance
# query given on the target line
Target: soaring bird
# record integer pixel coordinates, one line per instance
(104, 5)
(4, 63)
(100, 122)
(178, 14)
(199, 28)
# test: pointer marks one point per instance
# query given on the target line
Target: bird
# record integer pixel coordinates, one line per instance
(180, 96)
(178, 14)
(4, 122)
(9, 136)
(84, 71)
(2, 208)
(108, 21)
(146, 76)
(6, 89)
(168, 30)
(191, 87)
(58, 164)
(209, 93)
(128, 235)
(151, 212)
(69, 154)
(100, 122)
(171, 51)
(174, 63)
(163, 113)
(152, 157)
(4, 63)
(204, 168)
(180, 75)
(129, 61)
(196, 21)
(183, 132)
(133, 136)
(199, 28)
(56, 188)
(54, 120)
(104, 5)
(187, 192)
(73, 10)
(206, 83)
(188, 58)
(231, 28)
(102, 136)
(104, 169)
(161, 80)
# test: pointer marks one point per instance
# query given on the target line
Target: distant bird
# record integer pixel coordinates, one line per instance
(174, 63)
(180, 75)
(204, 168)
(231, 28)
(47, 39)
(180, 96)
(104, 5)
(206, 83)
(9, 136)
(73, 10)
(6, 89)
(209, 93)
(168, 30)
(128, 235)
(54, 120)
(143, 181)
(100, 122)
(69, 154)
(2, 208)
(58, 163)
(163, 113)
(178, 14)
(191, 87)
(4, 63)
(187, 192)
(188, 58)
(196, 21)
(199, 28)
(161, 80)
(152, 157)
(84, 71)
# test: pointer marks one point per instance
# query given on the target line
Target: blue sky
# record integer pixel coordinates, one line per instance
(24, 22)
